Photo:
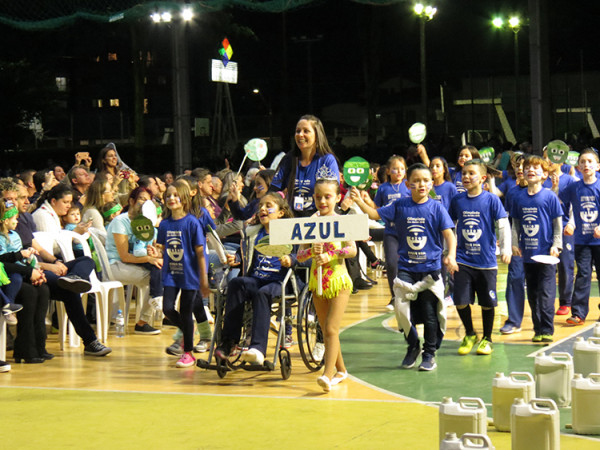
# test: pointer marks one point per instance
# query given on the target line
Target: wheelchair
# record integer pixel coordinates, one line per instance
(310, 336)
(279, 306)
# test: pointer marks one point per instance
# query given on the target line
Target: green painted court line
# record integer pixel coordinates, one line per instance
(373, 354)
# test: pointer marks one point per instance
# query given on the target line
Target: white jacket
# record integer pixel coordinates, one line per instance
(46, 219)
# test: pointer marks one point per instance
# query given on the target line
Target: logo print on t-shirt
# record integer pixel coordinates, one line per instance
(530, 227)
(588, 212)
(174, 249)
(471, 231)
(416, 239)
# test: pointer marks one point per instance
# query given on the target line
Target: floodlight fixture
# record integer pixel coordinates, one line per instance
(166, 16)
(155, 17)
(498, 22)
(187, 14)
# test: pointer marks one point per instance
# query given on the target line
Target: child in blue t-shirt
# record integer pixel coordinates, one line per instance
(182, 241)
(71, 220)
(389, 192)
(537, 231)
(261, 282)
(421, 224)
(584, 198)
(465, 153)
(476, 213)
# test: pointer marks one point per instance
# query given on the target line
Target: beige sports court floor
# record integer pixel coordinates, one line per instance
(136, 398)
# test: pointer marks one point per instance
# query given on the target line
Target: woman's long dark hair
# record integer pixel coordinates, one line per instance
(322, 147)
(56, 193)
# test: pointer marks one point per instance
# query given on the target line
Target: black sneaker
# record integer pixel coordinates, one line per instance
(145, 329)
(412, 354)
(362, 284)
(4, 366)
(73, 283)
(428, 363)
(96, 349)
(11, 308)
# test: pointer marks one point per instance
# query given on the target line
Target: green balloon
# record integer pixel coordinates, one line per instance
(557, 151)
(256, 149)
(417, 132)
(356, 171)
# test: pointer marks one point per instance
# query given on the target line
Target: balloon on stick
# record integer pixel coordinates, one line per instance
(256, 149)
(417, 133)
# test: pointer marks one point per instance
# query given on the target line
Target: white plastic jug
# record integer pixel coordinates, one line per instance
(535, 425)
(586, 355)
(466, 441)
(586, 403)
(504, 392)
(468, 415)
(597, 330)
(553, 375)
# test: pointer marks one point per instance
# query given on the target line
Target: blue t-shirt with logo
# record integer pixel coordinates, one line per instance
(444, 193)
(387, 194)
(475, 228)
(180, 263)
(267, 268)
(122, 225)
(325, 166)
(535, 214)
(419, 229)
(585, 200)
(457, 180)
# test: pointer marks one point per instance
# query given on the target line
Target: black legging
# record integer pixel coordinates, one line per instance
(31, 327)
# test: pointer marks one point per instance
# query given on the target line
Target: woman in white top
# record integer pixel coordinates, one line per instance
(99, 193)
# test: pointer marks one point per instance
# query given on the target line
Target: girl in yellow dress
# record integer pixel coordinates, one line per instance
(336, 284)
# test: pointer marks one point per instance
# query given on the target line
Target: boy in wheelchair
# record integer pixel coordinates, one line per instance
(260, 283)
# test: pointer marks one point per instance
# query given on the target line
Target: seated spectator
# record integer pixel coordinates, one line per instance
(129, 258)
(99, 194)
(65, 280)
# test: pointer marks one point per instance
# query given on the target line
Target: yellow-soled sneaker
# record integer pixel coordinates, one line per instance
(485, 347)
(467, 345)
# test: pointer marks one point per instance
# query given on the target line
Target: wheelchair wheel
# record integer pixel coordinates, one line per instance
(221, 367)
(285, 363)
(309, 331)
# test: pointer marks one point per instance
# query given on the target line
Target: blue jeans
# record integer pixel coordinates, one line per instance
(11, 290)
(585, 255)
(82, 267)
(541, 292)
(515, 291)
(260, 293)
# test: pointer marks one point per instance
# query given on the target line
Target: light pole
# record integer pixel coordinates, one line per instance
(181, 85)
(425, 14)
(257, 91)
(514, 23)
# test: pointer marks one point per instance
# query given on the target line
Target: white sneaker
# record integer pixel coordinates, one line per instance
(253, 356)
(156, 303)
(201, 346)
(318, 352)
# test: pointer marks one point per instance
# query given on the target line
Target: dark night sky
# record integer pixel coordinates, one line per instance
(460, 40)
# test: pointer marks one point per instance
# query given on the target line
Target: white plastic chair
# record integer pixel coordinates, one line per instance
(2, 338)
(103, 290)
(142, 289)
(48, 240)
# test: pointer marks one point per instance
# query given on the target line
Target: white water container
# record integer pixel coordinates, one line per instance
(586, 355)
(504, 392)
(452, 442)
(535, 425)
(553, 375)
(468, 415)
(586, 401)
(597, 330)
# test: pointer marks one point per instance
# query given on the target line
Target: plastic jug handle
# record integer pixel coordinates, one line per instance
(487, 443)
(543, 404)
(467, 402)
(594, 339)
(558, 355)
(514, 375)
(594, 377)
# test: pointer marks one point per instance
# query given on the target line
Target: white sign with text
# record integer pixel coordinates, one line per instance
(308, 230)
